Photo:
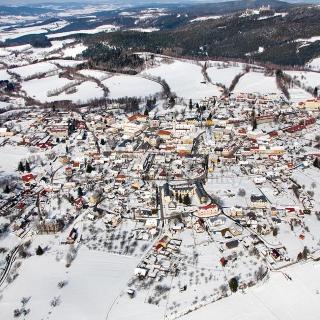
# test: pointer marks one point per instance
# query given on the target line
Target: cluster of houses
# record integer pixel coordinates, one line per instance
(157, 169)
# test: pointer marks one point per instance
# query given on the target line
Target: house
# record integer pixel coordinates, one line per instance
(27, 178)
(164, 134)
(258, 201)
(236, 212)
(50, 226)
(141, 272)
(207, 211)
(4, 132)
(138, 117)
(311, 104)
(79, 203)
(232, 244)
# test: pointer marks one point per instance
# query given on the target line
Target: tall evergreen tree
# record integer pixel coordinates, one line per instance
(21, 167)
(80, 192)
(39, 251)
(187, 200)
(315, 92)
(27, 167)
(6, 189)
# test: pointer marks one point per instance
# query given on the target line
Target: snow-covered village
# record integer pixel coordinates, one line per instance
(189, 189)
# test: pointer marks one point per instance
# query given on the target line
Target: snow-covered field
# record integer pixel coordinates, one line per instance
(39, 53)
(219, 73)
(94, 281)
(144, 29)
(185, 79)
(297, 94)
(205, 18)
(100, 279)
(257, 82)
(4, 52)
(130, 86)
(40, 89)
(4, 75)
(74, 50)
(309, 40)
(278, 298)
(314, 64)
(19, 32)
(34, 69)
(13, 155)
(66, 63)
(96, 74)
(103, 28)
(309, 79)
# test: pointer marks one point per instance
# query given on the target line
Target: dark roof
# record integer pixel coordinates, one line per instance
(256, 198)
(232, 244)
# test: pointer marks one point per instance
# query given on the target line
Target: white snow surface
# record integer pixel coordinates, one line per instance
(314, 64)
(224, 74)
(13, 155)
(74, 50)
(103, 28)
(278, 298)
(257, 82)
(34, 69)
(95, 279)
(96, 74)
(39, 89)
(309, 79)
(4, 75)
(205, 18)
(185, 79)
(130, 86)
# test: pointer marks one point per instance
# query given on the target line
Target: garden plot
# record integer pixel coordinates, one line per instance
(130, 86)
(285, 199)
(227, 188)
(185, 79)
(56, 89)
(308, 179)
(224, 73)
(126, 239)
(33, 70)
(307, 79)
(257, 82)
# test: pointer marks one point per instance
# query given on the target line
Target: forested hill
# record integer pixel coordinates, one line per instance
(280, 37)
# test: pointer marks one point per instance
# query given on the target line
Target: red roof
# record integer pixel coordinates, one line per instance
(136, 117)
(273, 133)
(164, 133)
(208, 206)
(28, 177)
